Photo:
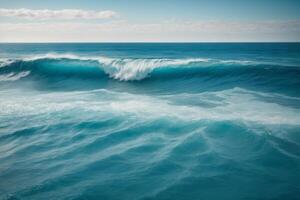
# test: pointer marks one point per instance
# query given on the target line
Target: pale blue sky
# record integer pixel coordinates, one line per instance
(184, 9)
(155, 20)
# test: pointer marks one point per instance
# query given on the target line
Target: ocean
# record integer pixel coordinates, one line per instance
(150, 121)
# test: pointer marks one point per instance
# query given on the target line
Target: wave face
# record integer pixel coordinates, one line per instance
(188, 72)
(130, 69)
(149, 121)
(119, 69)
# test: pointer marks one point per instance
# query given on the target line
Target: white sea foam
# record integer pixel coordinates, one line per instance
(233, 104)
(5, 62)
(14, 76)
(55, 56)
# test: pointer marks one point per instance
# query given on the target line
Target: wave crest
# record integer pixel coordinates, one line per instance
(137, 69)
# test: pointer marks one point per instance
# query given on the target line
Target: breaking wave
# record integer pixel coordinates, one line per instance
(123, 69)
(178, 125)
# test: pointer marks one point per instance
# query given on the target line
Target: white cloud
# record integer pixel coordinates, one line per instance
(57, 14)
(168, 31)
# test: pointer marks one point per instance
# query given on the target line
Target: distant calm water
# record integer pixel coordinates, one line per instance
(150, 121)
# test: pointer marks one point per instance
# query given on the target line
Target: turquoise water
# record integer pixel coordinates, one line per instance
(150, 121)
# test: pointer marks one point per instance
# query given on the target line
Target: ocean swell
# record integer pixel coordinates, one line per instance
(123, 69)
(155, 74)
(149, 121)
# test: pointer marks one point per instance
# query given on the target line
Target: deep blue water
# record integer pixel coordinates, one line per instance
(150, 121)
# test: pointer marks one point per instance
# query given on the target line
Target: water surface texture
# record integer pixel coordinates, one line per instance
(150, 121)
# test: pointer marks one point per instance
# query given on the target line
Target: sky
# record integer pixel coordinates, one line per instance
(150, 21)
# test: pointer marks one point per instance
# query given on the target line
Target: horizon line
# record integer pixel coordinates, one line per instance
(119, 42)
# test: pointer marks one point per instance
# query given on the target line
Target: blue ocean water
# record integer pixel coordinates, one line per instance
(150, 121)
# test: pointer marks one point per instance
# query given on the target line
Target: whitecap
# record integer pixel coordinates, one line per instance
(14, 76)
